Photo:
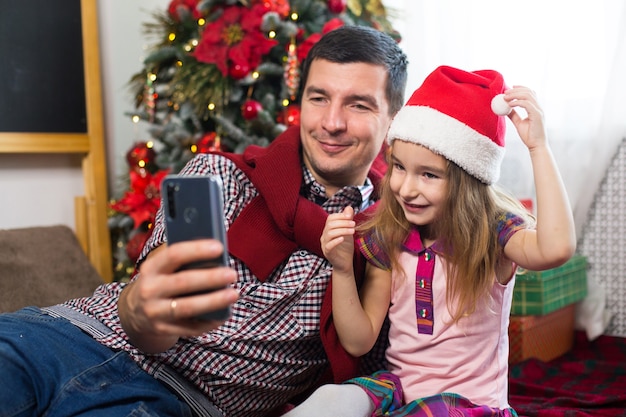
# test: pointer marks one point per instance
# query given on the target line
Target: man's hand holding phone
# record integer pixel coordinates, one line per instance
(156, 308)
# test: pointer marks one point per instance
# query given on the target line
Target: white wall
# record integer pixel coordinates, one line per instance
(38, 190)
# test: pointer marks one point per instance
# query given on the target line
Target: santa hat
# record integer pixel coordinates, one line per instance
(453, 114)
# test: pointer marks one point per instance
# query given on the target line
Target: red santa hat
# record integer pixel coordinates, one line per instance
(458, 115)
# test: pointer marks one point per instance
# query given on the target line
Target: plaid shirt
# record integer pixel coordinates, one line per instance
(270, 349)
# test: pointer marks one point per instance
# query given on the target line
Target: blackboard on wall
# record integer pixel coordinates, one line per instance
(42, 83)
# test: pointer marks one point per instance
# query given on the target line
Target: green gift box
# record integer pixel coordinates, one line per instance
(542, 292)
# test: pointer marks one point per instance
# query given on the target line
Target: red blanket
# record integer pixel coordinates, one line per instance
(590, 380)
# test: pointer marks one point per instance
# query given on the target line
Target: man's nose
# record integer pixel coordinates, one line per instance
(334, 119)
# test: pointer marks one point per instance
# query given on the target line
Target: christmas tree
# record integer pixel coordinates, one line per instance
(223, 75)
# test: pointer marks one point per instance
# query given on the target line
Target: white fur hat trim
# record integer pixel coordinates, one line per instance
(475, 153)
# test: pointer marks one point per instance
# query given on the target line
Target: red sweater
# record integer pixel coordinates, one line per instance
(280, 220)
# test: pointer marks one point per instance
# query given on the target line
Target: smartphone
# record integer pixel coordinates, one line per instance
(194, 209)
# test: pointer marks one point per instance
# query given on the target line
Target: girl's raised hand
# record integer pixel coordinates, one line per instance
(531, 129)
(337, 239)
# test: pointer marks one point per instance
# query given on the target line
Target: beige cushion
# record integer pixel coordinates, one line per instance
(43, 266)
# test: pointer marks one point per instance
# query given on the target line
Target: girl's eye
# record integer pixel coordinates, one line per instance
(430, 175)
(398, 166)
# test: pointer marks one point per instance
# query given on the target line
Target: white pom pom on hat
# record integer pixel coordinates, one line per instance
(499, 106)
(451, 114)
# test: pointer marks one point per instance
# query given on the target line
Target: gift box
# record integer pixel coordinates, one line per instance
(543, 337)
(542, 292)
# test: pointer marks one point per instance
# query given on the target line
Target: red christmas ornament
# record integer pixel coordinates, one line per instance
(337, 6)
(292, 115)
(210, 142)
(250, 109)
(238, 71)
(140, 156)
(292, 69)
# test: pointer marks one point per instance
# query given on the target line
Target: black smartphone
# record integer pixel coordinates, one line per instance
(194, 209)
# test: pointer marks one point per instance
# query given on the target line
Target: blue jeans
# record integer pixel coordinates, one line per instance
(49, 366)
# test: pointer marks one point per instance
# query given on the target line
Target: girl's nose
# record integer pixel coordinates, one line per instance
(409, 188)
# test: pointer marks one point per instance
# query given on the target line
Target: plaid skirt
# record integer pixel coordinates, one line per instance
(385, 390)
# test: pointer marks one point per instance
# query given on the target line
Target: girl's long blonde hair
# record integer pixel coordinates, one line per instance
(466, 230)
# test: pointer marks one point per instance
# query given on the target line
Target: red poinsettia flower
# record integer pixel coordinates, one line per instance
(176, 7)
(235, 40)
(281, 7)
(332, 24)
(143, 198)
(304, 47)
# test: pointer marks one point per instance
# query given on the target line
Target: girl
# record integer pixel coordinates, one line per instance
(443, 246)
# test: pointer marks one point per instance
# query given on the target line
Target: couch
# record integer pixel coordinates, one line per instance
(43, 266)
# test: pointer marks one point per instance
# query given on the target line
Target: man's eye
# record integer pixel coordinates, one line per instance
(361, 107)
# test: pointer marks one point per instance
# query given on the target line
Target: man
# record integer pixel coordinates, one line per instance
(151, 354)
